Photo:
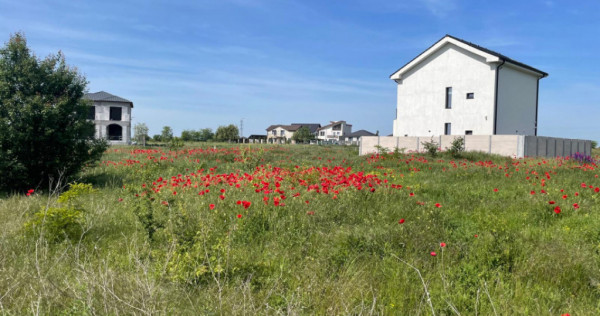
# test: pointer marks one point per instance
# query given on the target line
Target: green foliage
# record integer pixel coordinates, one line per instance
(56, 223)
(206, 134)
(140, 133)
(45, 133)
(457, 147)
(431, 147)
(175, 143)
(303, 135)
(188, 135)
(166, 134)
(227, 133)
(59, 223)
(594, 144)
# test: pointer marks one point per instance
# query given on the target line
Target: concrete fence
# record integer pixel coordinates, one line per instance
(518, 146)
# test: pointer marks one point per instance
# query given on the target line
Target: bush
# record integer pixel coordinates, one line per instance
(457, 147)
(431, 147)
(594, 144)
(59, 223)
(45, 133)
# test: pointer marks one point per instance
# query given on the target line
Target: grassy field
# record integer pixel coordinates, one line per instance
(262, 229)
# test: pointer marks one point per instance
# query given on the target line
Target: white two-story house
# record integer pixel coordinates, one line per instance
(334, 131)
(111, 115)
(459, 88)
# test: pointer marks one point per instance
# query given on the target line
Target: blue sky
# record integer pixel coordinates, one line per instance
(197, 64)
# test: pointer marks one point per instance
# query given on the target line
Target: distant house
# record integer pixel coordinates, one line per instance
(334, 130)
(282, 133)
(355, 137)
(458, 88)
(111, 115)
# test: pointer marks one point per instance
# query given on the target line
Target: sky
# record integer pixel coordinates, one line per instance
(203, 64)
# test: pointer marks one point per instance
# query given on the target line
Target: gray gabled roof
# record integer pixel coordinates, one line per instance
(312, 127)
(360, 133)
(483, 49)
(105, 97)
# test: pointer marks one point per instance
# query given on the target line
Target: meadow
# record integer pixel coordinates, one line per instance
(304, 230)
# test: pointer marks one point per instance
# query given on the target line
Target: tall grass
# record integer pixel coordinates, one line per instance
(338, 250)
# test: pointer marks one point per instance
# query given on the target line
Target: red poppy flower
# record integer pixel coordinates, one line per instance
(495, 190)
(401, 221)
(532, 192)
(551, 202)
(239, 216)
(557, 210)
(442, 244)
(212, 206)
(475, 235)
(411, 194)
(433, 254)
(310, 213)
(564, 197)
(222, 197)
(575, 205)
(438, 205)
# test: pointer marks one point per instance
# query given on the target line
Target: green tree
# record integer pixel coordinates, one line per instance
(140, 132)
(156, 138)
(166, 134)
(303, 135)
(187, 135)
(227, 133)
(44, 131)
(206, 134)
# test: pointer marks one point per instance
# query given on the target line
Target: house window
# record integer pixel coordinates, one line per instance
(92, 113)
(274, 132)
(115, 113)
(471, 95)
(468, 132)
(281, 133)
(322, 133)
(447, 129)
(448, 97)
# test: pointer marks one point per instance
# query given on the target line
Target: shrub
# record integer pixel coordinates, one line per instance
(431, 147)
(457, 147)
(59, 223)
(45, 133)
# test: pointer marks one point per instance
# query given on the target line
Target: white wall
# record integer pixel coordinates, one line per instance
(422, 95)
(507, 145)
(102, 120)
(516, 101)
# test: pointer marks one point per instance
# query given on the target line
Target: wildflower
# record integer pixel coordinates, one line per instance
(438, 205)
(564, 197)
(120, 199)
(475, 235)
(222, 197)
(575, 205)
(532, 192)
(310, 213)
(411, 194)
(495, 189)
(239, 216)
(557, 210)
(433, 254)
(211, 206)
(551, 202)
(442, 244)
(401, 221)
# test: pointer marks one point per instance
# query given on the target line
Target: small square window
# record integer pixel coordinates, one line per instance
(468, 132)
(471, 95)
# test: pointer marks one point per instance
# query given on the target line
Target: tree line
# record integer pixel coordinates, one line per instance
(223, 134)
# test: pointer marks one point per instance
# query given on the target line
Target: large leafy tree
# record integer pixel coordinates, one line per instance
(166, 134)
(44, 133)
(227, 133)
(302, 135)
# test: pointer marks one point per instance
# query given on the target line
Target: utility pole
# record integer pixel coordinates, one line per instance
(242, 129)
